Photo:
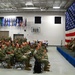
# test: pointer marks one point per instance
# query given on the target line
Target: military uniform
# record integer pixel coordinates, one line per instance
(45, 61)
(70, 44)
(21, 55)
(2, 55)
(26, 50)
(42, 57)
(9, 56)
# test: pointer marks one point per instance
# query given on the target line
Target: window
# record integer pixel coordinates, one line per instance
(57, 20)
(37, 20)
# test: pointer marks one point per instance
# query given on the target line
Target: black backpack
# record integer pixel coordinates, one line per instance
(37, 67)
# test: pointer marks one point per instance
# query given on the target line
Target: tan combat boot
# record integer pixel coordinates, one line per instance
(29, 65)
(8, 66)
(46, 69)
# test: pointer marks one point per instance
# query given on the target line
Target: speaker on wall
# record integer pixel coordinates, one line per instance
(37, 20)
(35, 29)
(57, 20)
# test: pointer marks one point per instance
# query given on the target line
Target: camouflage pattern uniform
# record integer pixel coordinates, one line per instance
(27, 53)
(2, 55)
(41, 56)
(9, 56)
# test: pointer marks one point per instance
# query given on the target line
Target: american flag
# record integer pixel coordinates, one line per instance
(70, 23)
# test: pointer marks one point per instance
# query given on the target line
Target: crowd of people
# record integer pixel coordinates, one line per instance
(21, 50)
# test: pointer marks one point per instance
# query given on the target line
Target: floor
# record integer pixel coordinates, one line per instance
(59, 66)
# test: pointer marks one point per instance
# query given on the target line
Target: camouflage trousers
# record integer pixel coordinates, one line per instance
(9, 58)
(23, 59)
(45, 62)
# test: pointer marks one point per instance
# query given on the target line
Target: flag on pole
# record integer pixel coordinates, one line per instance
(8, 22)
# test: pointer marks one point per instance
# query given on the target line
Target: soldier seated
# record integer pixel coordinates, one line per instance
(41, 55)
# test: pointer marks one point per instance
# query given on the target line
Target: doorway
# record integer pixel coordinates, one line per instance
(15, 36)
(4, 34)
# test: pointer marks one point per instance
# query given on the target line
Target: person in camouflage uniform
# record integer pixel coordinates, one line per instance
(69, 45)
(18, 55)
(45, 61)
(73, 48)
(2, 51)
(9, 54)
(2, 55)
(21, 55)
(41, 55)
(26, 50)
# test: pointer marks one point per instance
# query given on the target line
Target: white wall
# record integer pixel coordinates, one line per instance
(54, 33)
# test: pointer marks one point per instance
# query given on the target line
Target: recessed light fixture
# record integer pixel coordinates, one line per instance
(29, 4)
(29, 8)
(56, 7)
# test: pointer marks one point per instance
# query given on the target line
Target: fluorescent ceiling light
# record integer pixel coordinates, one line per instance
(9, 16)
(56, 7)
(29, 8)
(29, 4)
